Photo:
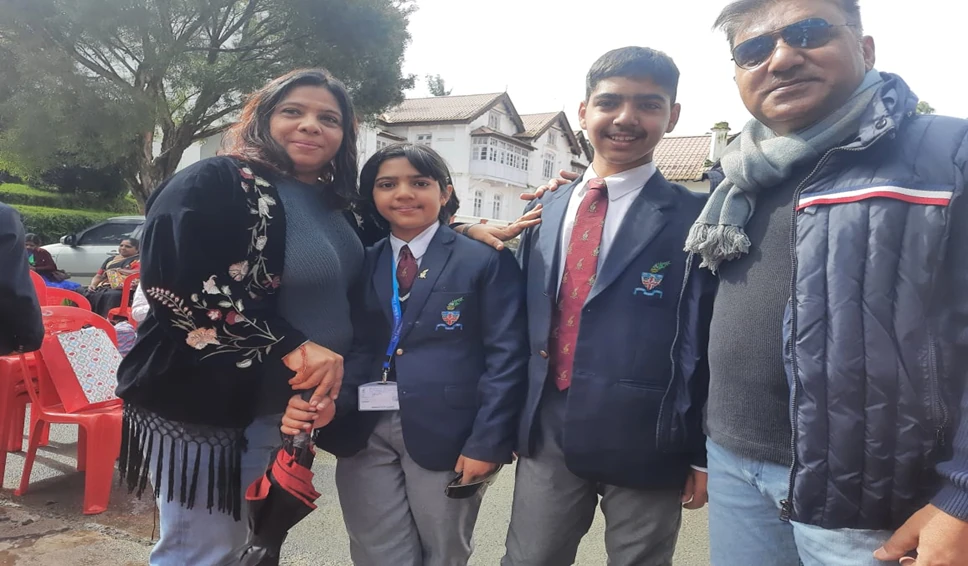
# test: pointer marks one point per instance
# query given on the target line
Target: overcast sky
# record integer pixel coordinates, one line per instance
(540, 50)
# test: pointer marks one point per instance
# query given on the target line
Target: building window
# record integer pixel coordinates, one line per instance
(478, 202)
(552, 137)
(548, 168)
(380, 144)
(508, 154)
(424, 139)
(494, 121)
(497, 207)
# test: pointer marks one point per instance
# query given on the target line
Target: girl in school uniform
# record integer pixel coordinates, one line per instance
(436, 378)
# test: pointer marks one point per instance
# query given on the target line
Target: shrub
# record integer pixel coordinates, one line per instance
(52, 223)
(11, 193)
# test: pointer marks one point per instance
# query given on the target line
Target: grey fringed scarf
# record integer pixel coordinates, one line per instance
(760, 160)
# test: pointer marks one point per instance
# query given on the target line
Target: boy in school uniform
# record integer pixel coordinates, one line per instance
(618, 316)
(436, 378)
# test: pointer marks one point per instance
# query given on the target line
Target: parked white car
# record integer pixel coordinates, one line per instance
(83, 253)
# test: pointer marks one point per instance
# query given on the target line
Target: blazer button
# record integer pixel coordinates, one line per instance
(399, 351)
(543, 354)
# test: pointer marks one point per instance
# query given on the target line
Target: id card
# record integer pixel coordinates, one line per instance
(379, 396)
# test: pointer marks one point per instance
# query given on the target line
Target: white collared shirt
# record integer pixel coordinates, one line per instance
(622, 189)
(418, 245)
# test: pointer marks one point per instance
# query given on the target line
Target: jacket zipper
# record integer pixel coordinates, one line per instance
(938, 408)
(672, 351)
(786, 505)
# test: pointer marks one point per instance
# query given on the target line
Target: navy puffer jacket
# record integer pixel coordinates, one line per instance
(877, 330)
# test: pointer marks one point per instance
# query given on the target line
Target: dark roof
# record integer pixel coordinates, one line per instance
(535, 125)
(485, 131)
(436, 109)
(683, 158)
(586, 147)
(391, 135)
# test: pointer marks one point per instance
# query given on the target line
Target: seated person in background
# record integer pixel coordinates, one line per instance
(127, 333)
(104, 292)
(41, 261)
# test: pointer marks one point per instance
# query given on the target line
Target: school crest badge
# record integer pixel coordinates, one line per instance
(451, 315)
(652, 279)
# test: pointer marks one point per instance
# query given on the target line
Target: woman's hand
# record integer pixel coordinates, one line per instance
(495, 236)
(564, 177)
(300, 416)
(473, 470)
(318, 367)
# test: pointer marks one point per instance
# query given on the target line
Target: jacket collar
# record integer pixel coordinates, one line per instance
(893, 104)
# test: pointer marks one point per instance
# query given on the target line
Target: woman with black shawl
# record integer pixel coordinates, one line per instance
(247, 262)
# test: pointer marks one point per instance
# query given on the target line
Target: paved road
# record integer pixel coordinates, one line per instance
(122, 534)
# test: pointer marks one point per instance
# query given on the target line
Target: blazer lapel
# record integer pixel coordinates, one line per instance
(433, 262)
(382, 281)
(552, 220)
(642, 223)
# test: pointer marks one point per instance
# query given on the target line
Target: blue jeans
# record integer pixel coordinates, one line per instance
(745, 526)
(197, 536)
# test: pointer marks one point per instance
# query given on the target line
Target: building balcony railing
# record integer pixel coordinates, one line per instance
(499, 172)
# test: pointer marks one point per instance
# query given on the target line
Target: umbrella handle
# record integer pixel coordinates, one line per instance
(302, 440)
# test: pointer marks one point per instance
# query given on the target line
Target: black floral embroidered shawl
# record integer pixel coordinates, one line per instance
(212, 259)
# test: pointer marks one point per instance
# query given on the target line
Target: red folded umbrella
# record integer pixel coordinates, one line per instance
(277, 501)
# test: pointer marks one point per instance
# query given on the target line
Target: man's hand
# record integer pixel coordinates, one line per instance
(939, 538)
(318, 367)
(472, 469)
(300, 416)
(564, 177)
(694, 495)
(495, 236)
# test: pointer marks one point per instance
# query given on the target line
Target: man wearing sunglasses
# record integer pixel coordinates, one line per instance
(838, 344)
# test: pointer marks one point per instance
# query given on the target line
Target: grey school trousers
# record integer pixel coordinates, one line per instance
(553, 508)
(396, 512)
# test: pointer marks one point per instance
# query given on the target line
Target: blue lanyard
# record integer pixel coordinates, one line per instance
(397, 319)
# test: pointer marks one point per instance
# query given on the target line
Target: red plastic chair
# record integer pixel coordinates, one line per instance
(56, 298)
(12, 406)
(49, 296)
(40, 285)
(99, 429)
(124, 311)
(16, 406)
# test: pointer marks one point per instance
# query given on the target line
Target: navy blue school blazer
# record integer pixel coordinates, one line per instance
(461, 364)
(634, 408)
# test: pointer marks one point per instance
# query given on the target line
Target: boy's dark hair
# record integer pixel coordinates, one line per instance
(32, 239)
(735, 15)
(425, 160)
(452, 205)
(249, 139)
(635, 63)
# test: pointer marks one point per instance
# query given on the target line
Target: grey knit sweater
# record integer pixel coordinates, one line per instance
(323, 258)
(749, 398)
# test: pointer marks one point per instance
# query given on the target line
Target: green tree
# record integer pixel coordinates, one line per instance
(437, 86)
(924, 108)
(104, 82)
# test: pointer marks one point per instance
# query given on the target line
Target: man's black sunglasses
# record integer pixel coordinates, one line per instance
(806, 34)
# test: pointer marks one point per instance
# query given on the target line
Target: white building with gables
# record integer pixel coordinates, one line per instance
(494, 153)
